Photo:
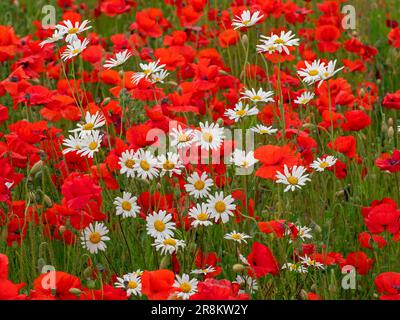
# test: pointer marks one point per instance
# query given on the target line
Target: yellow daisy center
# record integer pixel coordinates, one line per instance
(144, 165)
(129, 163)
(241, 113)
(236, 236)
(313, 73)
(88, 126)
(126, 205)
(184, 138)
(208, 137)
(132, 285)
(95, 237)
(293, 180)
(170, 242)
(199, 185)
(279, 41)
(220, 206)
(323, 164)
(159, 225)
(75, 51)
(73, 30)
(185, 287)
(202, 216)
(168, 165)
(257, 98)
(93, 145)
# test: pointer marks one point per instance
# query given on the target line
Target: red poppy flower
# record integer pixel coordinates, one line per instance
(273, 159)
(388, 284)
(345, 145)
(262, 261)
(356, 120)
(360, 261)
(392, 100)
(157, 285)
(394, 37)
(8, 289)
(382, 215)
(389, 162)
(367, 240)
(212, 289)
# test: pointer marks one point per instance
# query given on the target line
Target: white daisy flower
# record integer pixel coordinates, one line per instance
(246, 283)
(200, 215)
(56, 36)
(168, 245)
(205, 271)
(146, 165)
(94, 236)
(73, 143)
(304, 98)
(294, 267)
(92, 122)
(303, 233)
(186, 286)
(261, 129)
(210, 136)
(321, 164)
(328, 72)
(237, 236)
(159, 225)
(127, 205)
(259, 96)
(246, 19)
(127, 161)
(120, 58)
(244, 260)
(74, 49)
(242, 160)
(170, 164)
(221, 207)
(91, 144)
(131, 283)
(294, 179)
(159, 77)
(240, 111)
(199, 186)
(148, 70)
(72, 30)
(182, 138)
(306, 260)
(312, 72)
(281, 42)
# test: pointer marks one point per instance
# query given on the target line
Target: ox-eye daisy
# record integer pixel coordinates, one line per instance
(90, 144)
(186, 286)
(200, 215)
(246, 19)
(294, 267)
(237, 236)
(261, 129)
(56, 36)
(93, 237)
(159, 225)
(198, 186)
(205, 271)
(74, 49)
(321, 164)
(73, 143)
(242, 160)
(159, 77)
(131, 283)
(309, 262)
(127, 205)
(240, 111)
(120, 58)
(182, 138)
(169, 164)
(312, 72)
(259, 96)
(127, 162)
(304, 98)
(246, 283)
(146, 165)
(221, 207)
(281, 42)
(328, 72)
(92, 122)
(148, 70)
(72, 30)
(168, 245)
(210, 136)
(293, 178)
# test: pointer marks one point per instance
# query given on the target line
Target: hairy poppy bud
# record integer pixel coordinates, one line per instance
(75, 291)
(90, 284)
(165, 262)
(47, 200)
(87, 273)
(62, 229)
(390, 122)
(390, 133)
(238, 268)
(106, 101)
(303, 295)
(36, 167)
(220, 122)
(245, 40)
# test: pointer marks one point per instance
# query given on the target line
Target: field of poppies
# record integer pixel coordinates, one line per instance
(199, 149)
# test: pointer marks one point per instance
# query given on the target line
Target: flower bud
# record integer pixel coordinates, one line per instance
(303, 295)
(238, 268)
(106, 101)
(47, 200)
(245, 40)
(390, 133)
(36, 167)
(75, 291)
(165, 261)
(390, 122)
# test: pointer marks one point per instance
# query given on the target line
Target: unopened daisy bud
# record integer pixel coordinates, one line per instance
(303, 295)
(244, 40)
(220, 122)
(36, 167)
(106, 101)
(390, 133)
(165, 261)
(238, 268)
(390, 122)
(47, 200)
(75, 291)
